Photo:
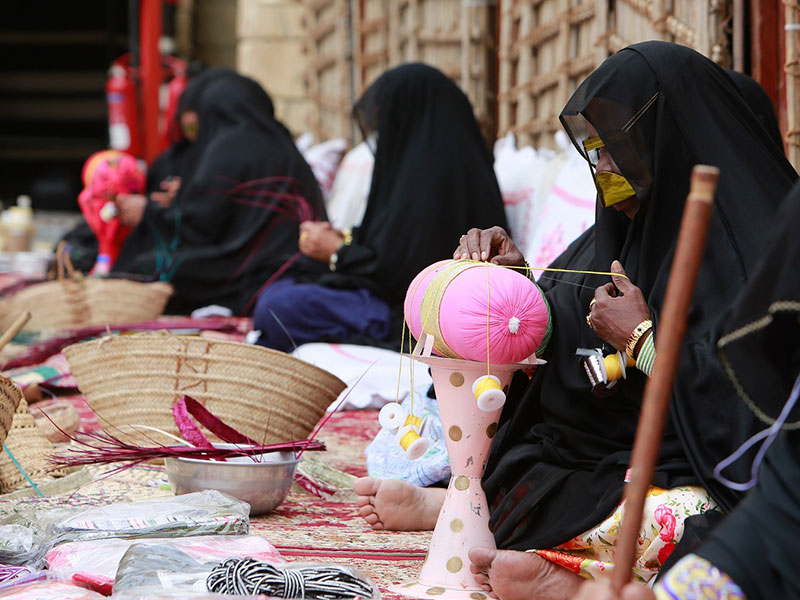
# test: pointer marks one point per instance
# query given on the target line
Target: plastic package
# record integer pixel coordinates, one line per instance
(170, 569)
(21, 540)
(387, 460)
(313, 581)
(201, 513)
(96, 561)
(27, 536)
(49, 590)
(161, 594)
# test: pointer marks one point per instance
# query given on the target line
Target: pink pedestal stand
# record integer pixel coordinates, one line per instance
(464, 519)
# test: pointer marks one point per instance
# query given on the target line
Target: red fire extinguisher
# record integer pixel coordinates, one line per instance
(170, 95)
(124, 118)
(123, 108)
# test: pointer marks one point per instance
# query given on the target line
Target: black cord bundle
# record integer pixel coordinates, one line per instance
(249, 576)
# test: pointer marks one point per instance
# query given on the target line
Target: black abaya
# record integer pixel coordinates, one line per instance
(235, 220)
(557, 466)
(761, 348)
(433, 179)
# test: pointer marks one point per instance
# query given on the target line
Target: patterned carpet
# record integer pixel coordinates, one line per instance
(304, 528)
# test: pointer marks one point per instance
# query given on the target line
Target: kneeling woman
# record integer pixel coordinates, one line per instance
(558, 462)
(433, 178)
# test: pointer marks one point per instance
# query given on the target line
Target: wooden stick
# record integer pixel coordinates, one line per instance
(657, 392)
(15, 328)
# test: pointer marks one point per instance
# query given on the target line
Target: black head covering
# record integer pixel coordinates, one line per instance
(433, 179)
(235, 219)
(559, 459)
(179, 158)
(759, 102)
(761, 349)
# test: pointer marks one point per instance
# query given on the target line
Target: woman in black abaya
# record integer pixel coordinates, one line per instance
(234, 222)
(557, 466)
(432, 179)
(749, 555)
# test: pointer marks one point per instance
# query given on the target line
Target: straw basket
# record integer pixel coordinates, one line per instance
(266, 395)
(10, 395)
(83, 302)
(29, 447)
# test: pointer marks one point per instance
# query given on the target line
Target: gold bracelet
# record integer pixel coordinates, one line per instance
(637, 333)
(347, 237)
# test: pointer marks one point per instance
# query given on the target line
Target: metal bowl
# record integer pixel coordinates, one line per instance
(262, 480)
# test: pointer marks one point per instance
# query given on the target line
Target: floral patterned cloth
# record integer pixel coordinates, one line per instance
(694, 578)
(591, 554)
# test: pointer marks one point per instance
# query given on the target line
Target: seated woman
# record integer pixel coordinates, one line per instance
(558, 461)
(432, 179)
(163, 179)
(235, 219)
(749, 556)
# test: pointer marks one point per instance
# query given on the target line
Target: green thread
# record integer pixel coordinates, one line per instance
(21, 470)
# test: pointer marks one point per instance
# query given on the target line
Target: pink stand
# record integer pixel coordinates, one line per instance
(464, 519)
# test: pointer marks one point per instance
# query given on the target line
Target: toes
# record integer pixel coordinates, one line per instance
(481, 556)
(364, 500)
(366, 510)
(371, 518)
(366, 486)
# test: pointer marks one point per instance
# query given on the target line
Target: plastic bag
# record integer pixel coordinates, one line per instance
(387, 460)
(49, 590)
(27, 536)
(97, 561)
(329, 581)
(22, 541)
(170, 569)
(201, 513)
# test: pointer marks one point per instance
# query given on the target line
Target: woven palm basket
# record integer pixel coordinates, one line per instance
(26, 443)
(83, 302)
(10, 395)
(266, 395)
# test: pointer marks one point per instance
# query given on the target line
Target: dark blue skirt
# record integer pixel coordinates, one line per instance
(289, 314)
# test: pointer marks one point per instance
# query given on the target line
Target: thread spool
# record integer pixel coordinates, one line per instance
(488, 393)
(412, 442)
(392, 416)
(410, 429)
(616, 365)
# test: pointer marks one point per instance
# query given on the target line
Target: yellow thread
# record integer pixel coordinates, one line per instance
(409, 437)
(613, 366)
(488, 344)
(486, 384)
(413, 420)
(413, 348)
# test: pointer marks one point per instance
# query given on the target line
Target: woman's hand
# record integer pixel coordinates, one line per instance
(131, 208)
(319, 240)
(617, 309)
(170, 187)
(493, 245)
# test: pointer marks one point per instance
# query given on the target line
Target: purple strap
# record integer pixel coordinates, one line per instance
(770, 433)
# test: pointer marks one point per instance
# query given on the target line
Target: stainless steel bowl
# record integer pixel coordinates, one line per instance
(262, 481)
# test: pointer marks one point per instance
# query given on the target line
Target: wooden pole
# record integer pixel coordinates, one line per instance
(669, 337)
(15, 328)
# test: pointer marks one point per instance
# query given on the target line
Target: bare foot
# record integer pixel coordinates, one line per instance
(514, 575)
(397, 505)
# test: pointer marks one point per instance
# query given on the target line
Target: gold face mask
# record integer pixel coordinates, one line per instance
(614, 188)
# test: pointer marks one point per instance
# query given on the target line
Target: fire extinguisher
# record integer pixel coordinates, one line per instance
(123, 109)
(170, 95)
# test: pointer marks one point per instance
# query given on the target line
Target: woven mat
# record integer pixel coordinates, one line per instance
(304, 528)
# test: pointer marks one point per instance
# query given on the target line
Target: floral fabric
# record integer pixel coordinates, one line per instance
(694, 578)
(591, 554)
